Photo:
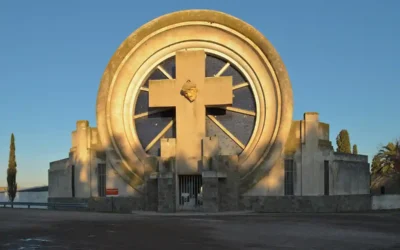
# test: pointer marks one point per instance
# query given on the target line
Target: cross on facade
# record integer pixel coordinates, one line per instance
(190, 93)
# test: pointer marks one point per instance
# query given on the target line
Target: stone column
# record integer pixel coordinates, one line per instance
(228, 186)
(166, 193)
(167, 177)
(151, 190)
(311, 166)
(82, 160)
(210, 192)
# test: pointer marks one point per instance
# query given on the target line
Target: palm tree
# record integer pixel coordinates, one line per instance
(387, 160)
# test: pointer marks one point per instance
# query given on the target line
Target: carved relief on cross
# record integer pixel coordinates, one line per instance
(190, 93)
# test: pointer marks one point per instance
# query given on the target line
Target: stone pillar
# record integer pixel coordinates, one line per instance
(151, 187)
(220, 178)
(167, 178)
(311, 166)
(166, 192)
(82, 160)
(210, 191)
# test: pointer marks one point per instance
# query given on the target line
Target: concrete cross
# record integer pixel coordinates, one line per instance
(190, 93)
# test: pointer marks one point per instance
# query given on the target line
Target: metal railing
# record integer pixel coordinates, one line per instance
(49, 205)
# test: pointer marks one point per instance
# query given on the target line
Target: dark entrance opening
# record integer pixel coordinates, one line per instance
(190, 192)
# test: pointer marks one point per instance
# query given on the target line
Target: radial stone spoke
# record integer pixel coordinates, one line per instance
(238, 110)
(164, 72)
(221, 71)
(226, 131)
(158, 137)
(240, 85)
(150, 113)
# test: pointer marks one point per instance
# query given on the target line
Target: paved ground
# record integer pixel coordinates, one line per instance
(42, 229)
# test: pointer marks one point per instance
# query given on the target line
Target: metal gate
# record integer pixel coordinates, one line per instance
(190, 192)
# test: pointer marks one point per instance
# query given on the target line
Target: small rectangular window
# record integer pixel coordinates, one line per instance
(289, 177)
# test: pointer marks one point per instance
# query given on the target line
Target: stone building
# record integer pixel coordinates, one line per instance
(194, 112)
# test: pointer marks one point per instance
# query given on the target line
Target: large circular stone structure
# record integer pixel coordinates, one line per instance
(260, 116)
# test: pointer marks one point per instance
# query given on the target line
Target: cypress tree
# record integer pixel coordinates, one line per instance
(12, 171)
(343, 142)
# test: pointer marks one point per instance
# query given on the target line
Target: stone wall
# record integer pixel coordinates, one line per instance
(308, 204)
(385, 202)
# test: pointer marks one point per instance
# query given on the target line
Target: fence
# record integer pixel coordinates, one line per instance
(43, 205)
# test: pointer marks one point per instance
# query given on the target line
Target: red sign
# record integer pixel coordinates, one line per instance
(112, 191)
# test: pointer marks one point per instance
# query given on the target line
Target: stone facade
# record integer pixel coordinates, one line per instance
(348, 181)
(116, 168)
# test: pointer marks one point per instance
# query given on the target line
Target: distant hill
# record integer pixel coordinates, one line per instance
(3, 189)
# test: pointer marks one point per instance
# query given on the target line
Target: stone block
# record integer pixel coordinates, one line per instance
(100, 204)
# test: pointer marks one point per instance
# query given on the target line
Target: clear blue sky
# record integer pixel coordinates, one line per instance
(342, 57)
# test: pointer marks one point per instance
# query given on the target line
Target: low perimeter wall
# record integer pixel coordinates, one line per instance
(306, 204)
(383, 202)
(106, 204)
(261, 204)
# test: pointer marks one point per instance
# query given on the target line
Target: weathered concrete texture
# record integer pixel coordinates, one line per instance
(350, 175)
(60, 175)
(308, 204)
